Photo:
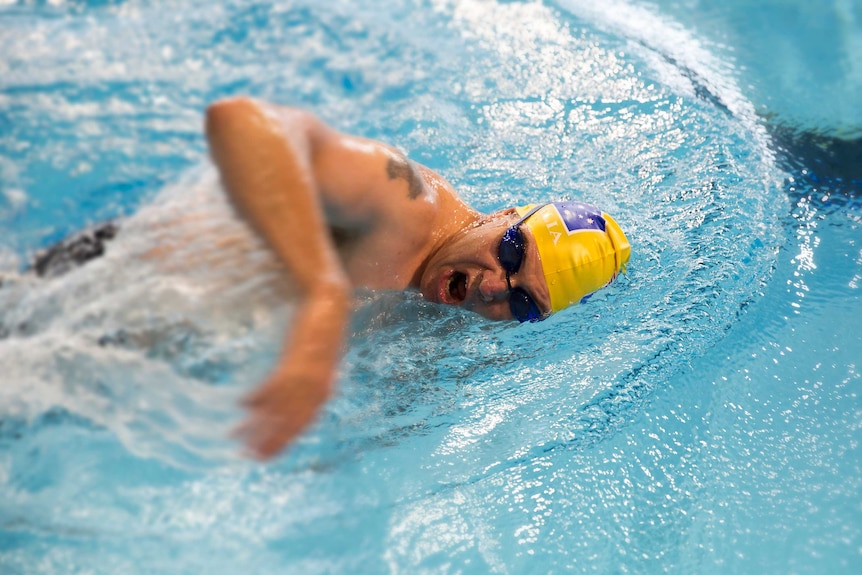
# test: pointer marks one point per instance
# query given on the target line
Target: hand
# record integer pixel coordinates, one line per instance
(288, 401)
(281, 408)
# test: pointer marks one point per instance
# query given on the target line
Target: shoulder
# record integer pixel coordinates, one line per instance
(361, 182)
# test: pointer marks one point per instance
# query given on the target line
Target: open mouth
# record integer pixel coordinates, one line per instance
(457, 287)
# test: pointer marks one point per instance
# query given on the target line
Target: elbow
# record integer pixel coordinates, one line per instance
(230, 118)
(235, 125)
(226, 114)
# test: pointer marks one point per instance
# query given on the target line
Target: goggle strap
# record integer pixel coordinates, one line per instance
(530, 213)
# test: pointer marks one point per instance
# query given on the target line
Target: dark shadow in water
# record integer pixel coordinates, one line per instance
(74, 250)
(826, 169)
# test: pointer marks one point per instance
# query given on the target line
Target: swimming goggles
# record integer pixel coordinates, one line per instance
(511, 255)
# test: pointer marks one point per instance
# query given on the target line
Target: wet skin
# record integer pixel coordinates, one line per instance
(466, 271)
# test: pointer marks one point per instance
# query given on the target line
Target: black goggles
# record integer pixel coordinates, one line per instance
(511, 255)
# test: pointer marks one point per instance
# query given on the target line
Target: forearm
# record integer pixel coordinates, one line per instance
(316, 338)
(290, 398)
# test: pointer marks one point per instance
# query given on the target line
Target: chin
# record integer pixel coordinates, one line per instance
(427, 287)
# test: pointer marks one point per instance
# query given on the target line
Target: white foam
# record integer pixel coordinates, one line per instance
(185, 294)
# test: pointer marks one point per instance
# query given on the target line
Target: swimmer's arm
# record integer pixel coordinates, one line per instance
(354, 182)
(292, 177)
(266, 166)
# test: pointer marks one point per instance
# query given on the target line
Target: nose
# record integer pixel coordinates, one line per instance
(493, 287)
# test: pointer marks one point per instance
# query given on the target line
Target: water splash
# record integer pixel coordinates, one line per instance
(140, 357)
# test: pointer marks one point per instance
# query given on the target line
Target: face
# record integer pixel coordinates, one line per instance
(466, 271)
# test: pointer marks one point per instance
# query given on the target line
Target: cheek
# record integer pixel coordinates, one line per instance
(466, 245)
(497, 311)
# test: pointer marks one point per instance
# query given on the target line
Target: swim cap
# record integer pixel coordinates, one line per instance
(582, 249)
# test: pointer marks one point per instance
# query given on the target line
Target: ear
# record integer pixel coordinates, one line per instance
(505, 213)
(500, 217)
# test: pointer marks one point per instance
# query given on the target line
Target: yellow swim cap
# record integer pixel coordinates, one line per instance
(582, 249)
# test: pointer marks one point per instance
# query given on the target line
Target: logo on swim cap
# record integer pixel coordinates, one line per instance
(582, 249)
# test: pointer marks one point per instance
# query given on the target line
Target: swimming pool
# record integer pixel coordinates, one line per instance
(703, 415)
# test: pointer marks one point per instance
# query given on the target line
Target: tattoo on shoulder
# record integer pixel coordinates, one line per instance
(399, 167)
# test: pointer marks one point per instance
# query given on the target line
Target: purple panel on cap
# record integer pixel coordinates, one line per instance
(580, 216)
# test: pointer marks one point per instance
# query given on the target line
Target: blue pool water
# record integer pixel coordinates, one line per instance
(700, 416)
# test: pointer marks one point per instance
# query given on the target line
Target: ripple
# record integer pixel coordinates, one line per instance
(513, 102)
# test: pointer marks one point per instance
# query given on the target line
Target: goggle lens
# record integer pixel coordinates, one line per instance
(511, 255)
(523, 307)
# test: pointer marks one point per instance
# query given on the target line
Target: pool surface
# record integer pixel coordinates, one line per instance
(701, 415)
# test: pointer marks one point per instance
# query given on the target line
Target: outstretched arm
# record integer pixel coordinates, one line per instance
(266, 157)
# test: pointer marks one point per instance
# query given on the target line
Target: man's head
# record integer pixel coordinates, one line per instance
(526, 263)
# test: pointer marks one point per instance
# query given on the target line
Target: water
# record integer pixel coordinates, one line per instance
(700, 416)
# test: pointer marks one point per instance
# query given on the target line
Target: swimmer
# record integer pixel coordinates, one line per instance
(341, 212)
